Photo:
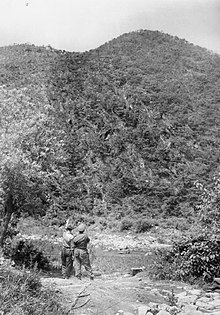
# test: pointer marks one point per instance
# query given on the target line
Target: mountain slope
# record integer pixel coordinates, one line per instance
(139, 119)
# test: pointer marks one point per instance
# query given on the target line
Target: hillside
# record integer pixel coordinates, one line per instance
(127, 130)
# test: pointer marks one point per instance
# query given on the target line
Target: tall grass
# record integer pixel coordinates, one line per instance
(21, 294)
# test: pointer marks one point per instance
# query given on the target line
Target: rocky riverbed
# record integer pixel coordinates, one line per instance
(138, 295)
(123, 294)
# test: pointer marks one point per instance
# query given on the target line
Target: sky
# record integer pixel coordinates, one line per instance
(79, 25)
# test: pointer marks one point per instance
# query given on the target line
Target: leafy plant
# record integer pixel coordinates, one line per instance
(190, 258)
(126, 224)
(144, 225)
(23, 253)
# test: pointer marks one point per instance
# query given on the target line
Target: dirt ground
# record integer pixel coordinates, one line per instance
(108, 294)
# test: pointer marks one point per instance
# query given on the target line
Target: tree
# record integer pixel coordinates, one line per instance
(31, 149)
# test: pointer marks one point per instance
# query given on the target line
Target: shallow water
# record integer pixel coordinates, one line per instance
(110, 262)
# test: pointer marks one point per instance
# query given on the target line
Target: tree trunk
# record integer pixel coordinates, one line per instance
(9, 209)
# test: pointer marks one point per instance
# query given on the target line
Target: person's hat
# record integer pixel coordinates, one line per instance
(81, 227)
(69, 227)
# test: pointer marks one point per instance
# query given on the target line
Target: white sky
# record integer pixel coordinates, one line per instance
(79, 25)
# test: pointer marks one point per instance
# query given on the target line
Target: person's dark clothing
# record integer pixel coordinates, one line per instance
(81, 241)
(67, 261)
(81, 255)
(67, 254)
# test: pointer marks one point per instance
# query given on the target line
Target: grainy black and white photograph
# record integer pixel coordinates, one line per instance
(109, 157)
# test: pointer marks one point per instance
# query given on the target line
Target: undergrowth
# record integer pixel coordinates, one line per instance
(190, 259)
(21, 293)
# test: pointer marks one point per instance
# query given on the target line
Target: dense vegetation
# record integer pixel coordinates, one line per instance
(21, 293)
(130, 129)
(195, 257)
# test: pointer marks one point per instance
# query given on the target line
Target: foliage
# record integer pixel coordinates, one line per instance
(24, 253)
(126, 224)
(208, 206)
(21, 294)
(189, 259)
(144, 225)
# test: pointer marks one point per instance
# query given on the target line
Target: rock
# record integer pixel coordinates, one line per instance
(126, 275)
(148, 254)
(195, 292)
(188, 299)
(143, 309)
(163, 312)
(208, 305)
(217, 280)
(203, 300)
(180, 295)
(190, 308)
(215, 295)
(153, 306)
(173, 310)
(215, 303)
(191, 313)
(163, 307)
(149, 313)
(124, 251)
(134, 271)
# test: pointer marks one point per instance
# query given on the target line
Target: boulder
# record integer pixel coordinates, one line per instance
(209, 306)
(188, 299)
(190, 308)
(173, 310)
(134, 271)
(153, 306)
(195, 292)
(163, 307)
(143, 309)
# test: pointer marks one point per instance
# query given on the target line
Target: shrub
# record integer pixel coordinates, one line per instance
(177, 223)
(144, 225)
(21, 294)
(23, 253)
(189, 259)
(126, 224)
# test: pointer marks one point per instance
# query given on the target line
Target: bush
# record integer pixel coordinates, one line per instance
(23, 253)
(177, 223)
(126, 224)
(21, 294)
(189, 259)
(144, 225)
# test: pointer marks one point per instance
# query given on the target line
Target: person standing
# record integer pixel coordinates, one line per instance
(67, 252)
(81, 255)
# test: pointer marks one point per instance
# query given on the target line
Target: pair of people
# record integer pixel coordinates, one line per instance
(75, 248)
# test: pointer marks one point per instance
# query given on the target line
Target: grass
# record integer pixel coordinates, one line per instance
(21, 293)
(111, 262)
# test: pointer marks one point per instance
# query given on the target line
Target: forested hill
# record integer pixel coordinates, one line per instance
(128, 129)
